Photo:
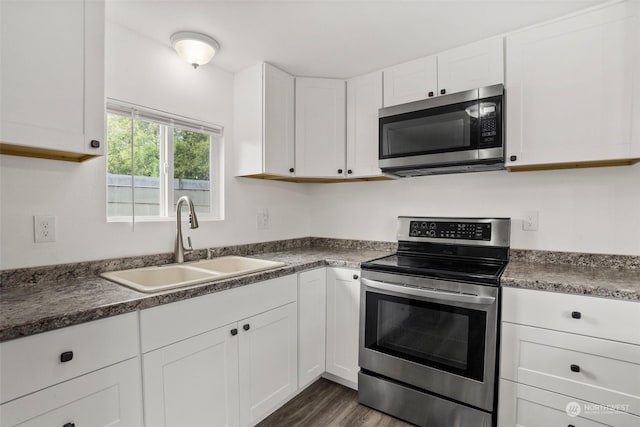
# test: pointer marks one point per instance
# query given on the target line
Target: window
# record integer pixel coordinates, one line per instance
(155, 158)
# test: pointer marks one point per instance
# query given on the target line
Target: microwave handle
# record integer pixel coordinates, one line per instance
(429, 293)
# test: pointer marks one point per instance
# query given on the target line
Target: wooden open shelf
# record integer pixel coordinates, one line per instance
(576, 165)
(43, 153)
(316, 180)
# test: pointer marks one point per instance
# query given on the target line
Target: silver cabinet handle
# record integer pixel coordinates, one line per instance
(429, 293)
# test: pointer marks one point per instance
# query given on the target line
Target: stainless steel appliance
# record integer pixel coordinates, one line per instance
(461, 132)
(429, 322)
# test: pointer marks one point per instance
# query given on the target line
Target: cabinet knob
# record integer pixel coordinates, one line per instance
(66, 356)
(575, 368)
(430, 94)
(339, 170)
(95, 143)
(291, 170)
(69, 425)
(246, 327)
(356, 277)
(443, 91)
(234, 332)
(513, 158)
(349, 171)
(576, 315)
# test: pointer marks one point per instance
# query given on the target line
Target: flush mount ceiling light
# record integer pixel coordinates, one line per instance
(195, 48)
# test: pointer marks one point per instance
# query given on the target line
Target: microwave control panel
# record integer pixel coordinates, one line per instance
(450, 230)
(490, 123)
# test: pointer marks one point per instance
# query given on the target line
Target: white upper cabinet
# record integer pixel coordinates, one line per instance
(467, 67)
(364, 98)
(320, 127)
(470, 66)
(572, 89)
(264, 121)
(411, 81)
(52, 79)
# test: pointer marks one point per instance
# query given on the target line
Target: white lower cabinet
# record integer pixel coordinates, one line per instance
(268, 362)
(232, 357)
(106, 397)
(193, 382)
(575, 363)
(343, 324)
(312, 320)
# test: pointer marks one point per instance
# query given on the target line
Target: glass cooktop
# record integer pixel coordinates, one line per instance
(476, 271)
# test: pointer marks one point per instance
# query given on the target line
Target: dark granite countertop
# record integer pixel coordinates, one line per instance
(34, 300)
(31, 308)
(594, 280)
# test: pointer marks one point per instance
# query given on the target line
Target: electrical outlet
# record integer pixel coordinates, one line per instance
(44, 228)
(530, 221)
(262, 219)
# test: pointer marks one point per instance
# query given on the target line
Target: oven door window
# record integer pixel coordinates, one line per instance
(437, 130)
(441, 336)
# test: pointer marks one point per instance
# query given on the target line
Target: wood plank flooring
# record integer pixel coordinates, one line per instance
(325, 403)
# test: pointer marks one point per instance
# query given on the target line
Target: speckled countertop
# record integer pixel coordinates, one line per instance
(30, 308)
(40, 299)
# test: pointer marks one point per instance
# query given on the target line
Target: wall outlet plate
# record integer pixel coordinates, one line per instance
(530, 221)
(44, 228)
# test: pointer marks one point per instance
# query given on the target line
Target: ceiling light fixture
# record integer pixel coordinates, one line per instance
(195, 48)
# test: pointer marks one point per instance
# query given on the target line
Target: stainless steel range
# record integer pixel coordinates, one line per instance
(429, 322)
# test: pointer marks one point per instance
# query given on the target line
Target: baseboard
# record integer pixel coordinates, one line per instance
(341, 381)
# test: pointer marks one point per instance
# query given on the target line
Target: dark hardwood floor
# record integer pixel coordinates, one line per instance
(325, 403)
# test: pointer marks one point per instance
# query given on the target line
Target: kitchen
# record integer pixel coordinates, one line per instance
(585, 210)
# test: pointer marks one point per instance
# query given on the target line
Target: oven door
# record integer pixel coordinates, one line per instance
(436, 335)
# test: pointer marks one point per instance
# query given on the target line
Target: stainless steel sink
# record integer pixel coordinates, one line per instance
(154, 279)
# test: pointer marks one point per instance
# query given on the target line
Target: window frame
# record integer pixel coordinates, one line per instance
(168, 122)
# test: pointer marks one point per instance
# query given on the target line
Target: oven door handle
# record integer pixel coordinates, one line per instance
(428, 293)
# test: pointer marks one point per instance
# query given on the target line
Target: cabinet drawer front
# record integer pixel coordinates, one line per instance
(597, 317)
(524, 406)
(108, 397)
(173, 322)
(35, 362)
(589, 368)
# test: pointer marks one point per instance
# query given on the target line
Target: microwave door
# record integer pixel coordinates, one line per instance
(440, 135)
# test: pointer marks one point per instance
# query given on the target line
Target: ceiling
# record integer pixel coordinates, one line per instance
(333, 38)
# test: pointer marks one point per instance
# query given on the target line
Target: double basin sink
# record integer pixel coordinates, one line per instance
(160, 278)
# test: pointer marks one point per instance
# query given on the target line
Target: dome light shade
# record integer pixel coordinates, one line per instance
(195, 48)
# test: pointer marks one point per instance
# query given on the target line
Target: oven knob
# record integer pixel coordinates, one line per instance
(432, 233)
(423, 225)
(415, 232)
(432, 226)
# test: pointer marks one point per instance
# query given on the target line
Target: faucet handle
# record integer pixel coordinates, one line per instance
(210, 253)
(189, 242)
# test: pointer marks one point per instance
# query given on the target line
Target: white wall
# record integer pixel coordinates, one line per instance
(583, 210)
(141, 71)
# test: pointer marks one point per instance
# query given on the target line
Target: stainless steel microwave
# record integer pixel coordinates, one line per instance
(461, 132)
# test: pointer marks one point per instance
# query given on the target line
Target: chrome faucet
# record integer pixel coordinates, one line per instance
(180, 250)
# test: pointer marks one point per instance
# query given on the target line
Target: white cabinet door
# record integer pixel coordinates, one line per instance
(569, 87)
(411, 81)
(343, 314)
(312, 294)
(278, 121)
(268, 361)
(364, 98)
(52, 79)
(471, 66)
(264, 122)
(108, 397)
(193, 382)
(320, 127)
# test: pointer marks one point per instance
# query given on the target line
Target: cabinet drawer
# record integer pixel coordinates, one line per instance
(35, 362)
(524, 406)
(592, 369)
(108, 397)
(173, 322)
(597, 317)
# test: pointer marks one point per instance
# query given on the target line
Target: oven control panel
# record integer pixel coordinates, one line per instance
(450, 230)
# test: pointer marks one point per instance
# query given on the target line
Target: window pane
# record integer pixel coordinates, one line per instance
(118, 165)
(192, 169)
(147, 141)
